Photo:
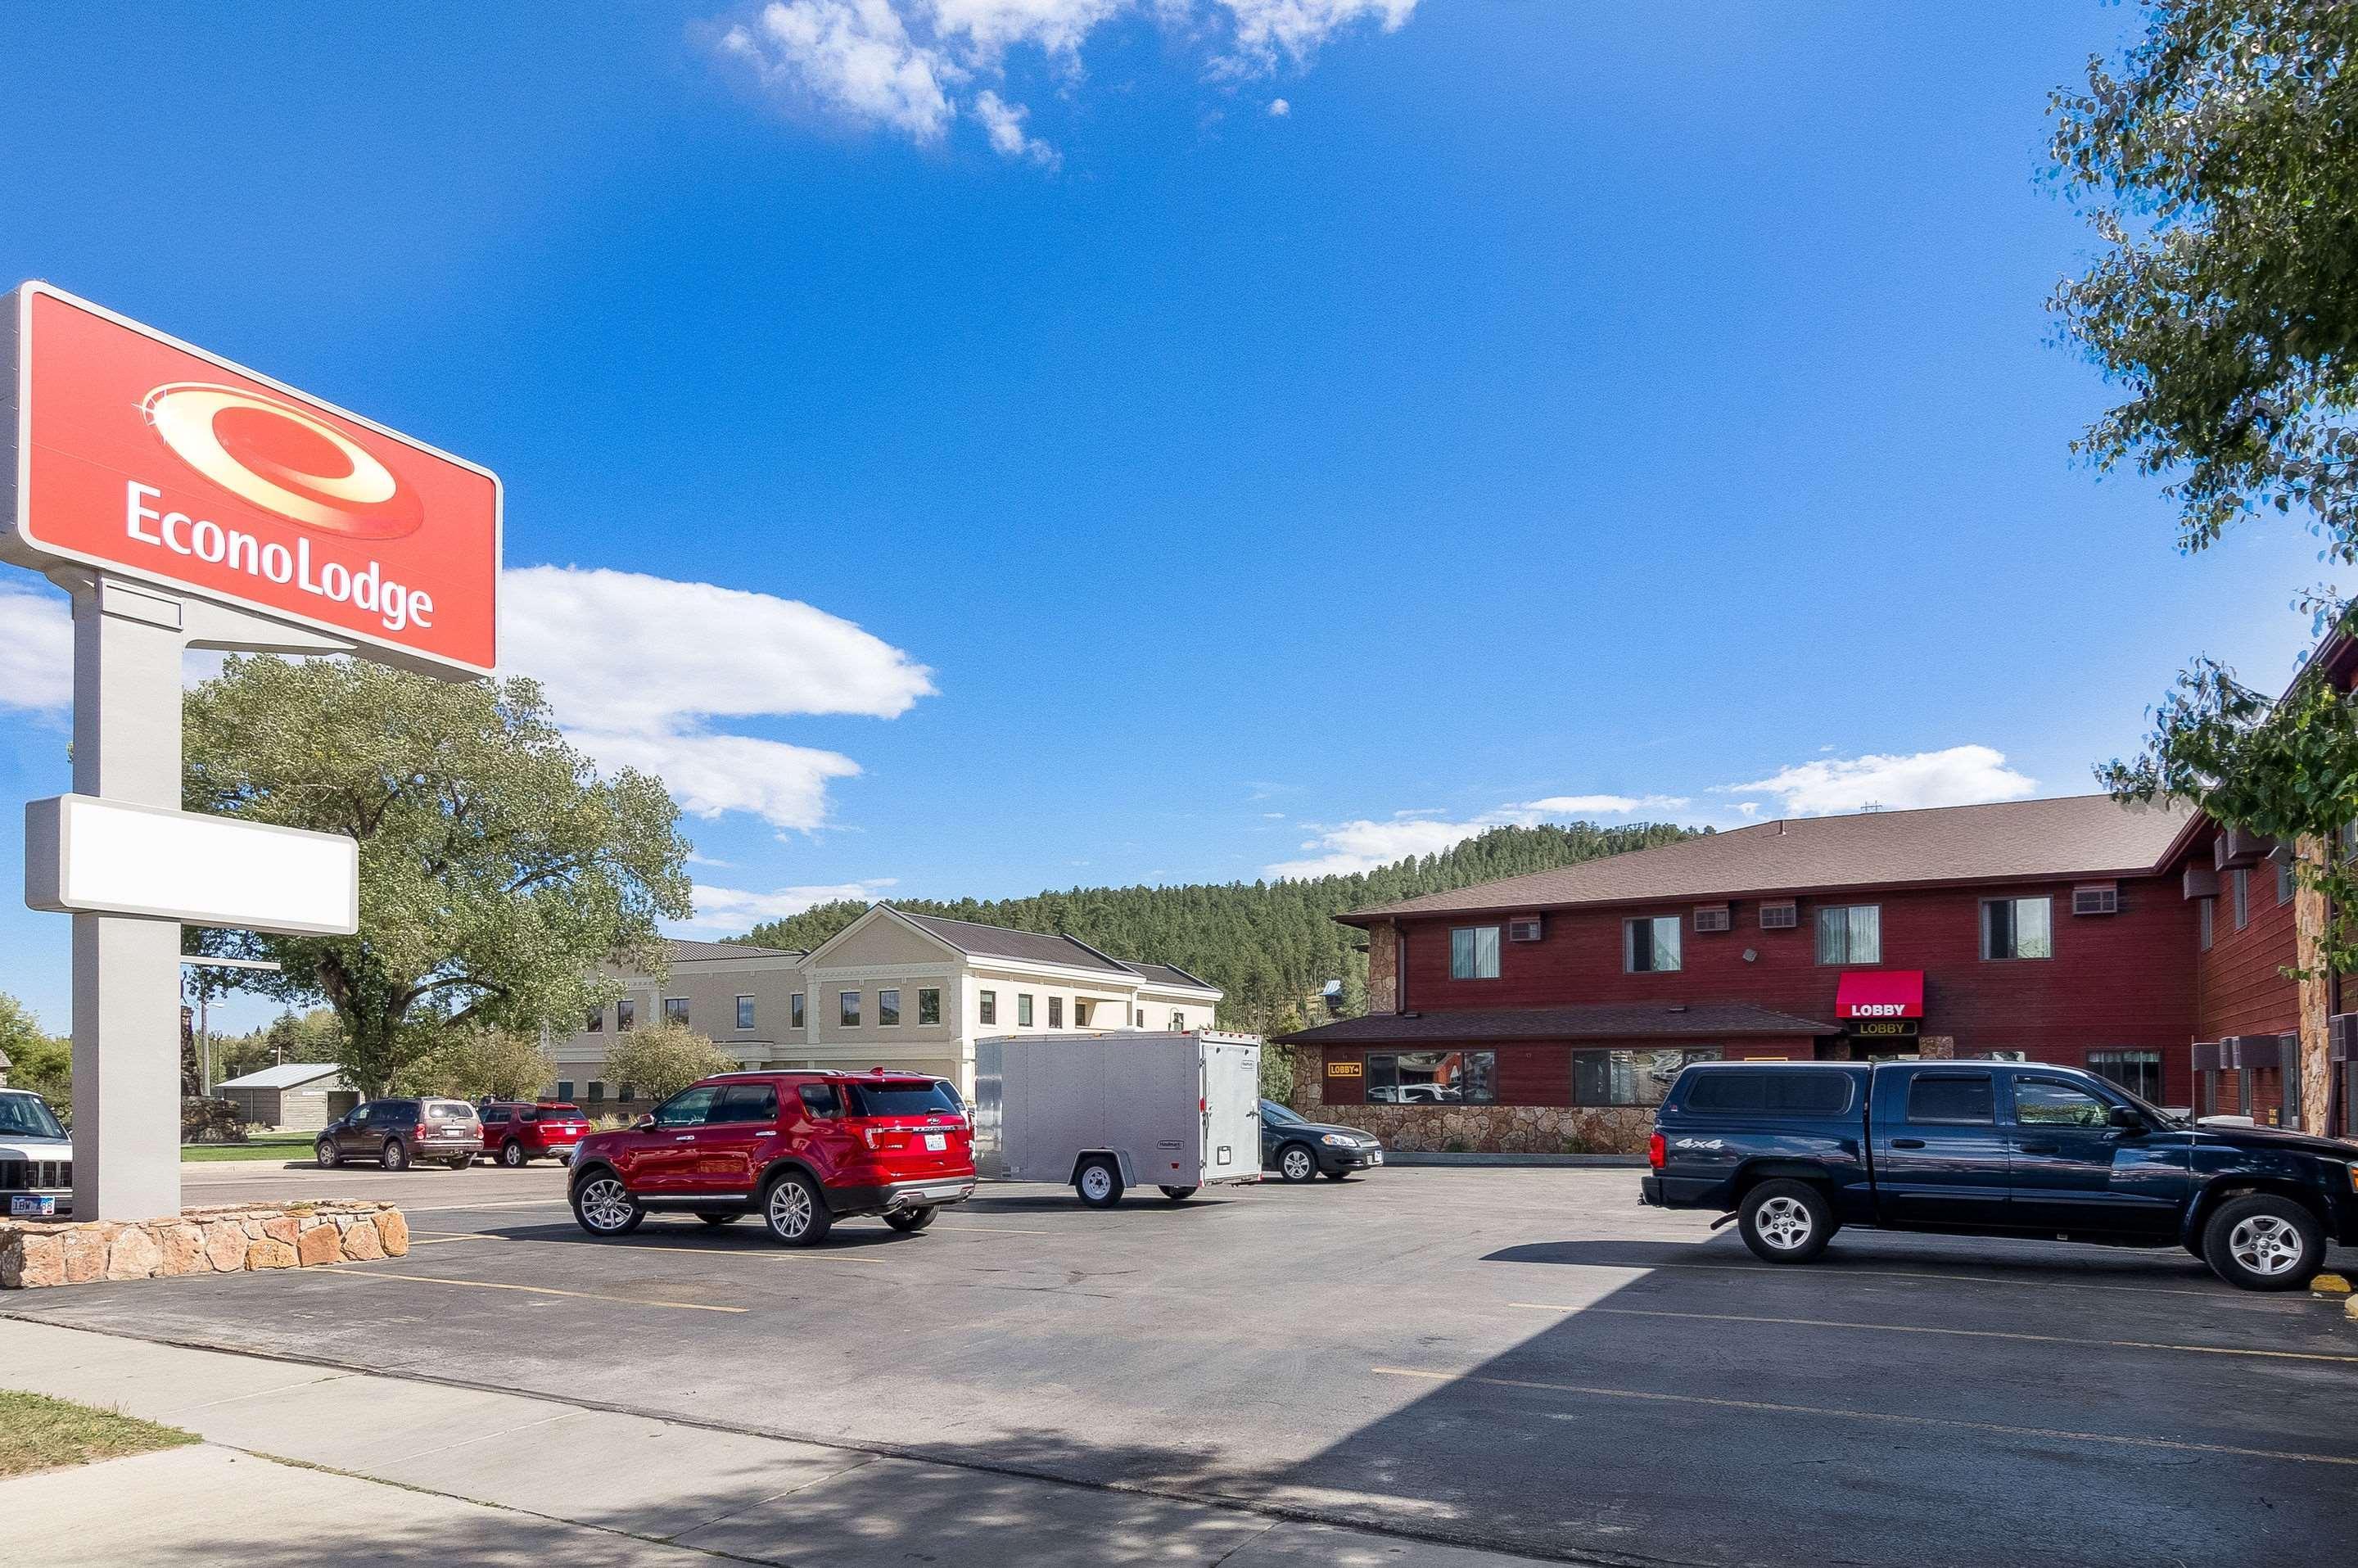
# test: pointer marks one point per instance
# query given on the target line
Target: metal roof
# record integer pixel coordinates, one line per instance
(282, 1077)
(684, 947)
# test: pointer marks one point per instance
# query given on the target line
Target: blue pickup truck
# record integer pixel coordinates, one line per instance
(1793, 1151)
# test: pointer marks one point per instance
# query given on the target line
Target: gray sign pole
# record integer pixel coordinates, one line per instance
(128, 643)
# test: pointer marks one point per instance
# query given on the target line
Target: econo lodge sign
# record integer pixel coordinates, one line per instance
(141, 455)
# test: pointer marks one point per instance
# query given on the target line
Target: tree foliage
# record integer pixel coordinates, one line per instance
(1271, 946)
(660, 1060)
(499, 873)
(38, 1060)
(2219, 162)
(496, 1064)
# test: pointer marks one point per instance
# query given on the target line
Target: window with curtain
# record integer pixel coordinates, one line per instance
(2017, 928)
(1850, 934)
(1474, 953)
(1653, 943)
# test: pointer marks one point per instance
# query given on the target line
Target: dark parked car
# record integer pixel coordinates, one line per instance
(516, 1133)
(801, 1149)
(1795, 1153)
(1299, 1151)
(397, 1134)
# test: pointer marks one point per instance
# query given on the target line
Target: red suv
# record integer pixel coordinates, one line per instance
(801, 1150)
(517, 1134)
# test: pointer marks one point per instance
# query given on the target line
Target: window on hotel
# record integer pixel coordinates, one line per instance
(1081, 1011)
(1178, 1021)
(2017, 928)
(847, 1009)
(2203, 919)
(597, 1020)
(597, 1091)
(1023, 1010)
(929, 1005)
(794, 1010)
(888, 1008)
(1055, 1012)
(1631, 1078)
(2139, 1072)
(676, 1011)
(1850, 934)
(626, 1016)
(2241, 881)
(986, 1006)
(2283, 879)
(564, 1088)
(1432, 1077)
(1474, 953)
(1651, 944)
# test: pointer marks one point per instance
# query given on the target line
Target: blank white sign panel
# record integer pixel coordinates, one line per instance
(83, 855)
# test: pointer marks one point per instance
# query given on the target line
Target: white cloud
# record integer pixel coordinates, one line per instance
(905, 65)
(1278, 108)
(1364, 845)
(1004, 124)
(710, 774)
(36, 648)
(735, 909)
(1960, 776)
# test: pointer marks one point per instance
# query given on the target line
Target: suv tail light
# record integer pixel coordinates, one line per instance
(1657, 1152)
(877, 1137)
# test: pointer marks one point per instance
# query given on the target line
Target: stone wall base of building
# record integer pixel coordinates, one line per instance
(1498, 1128)
(221, 1240)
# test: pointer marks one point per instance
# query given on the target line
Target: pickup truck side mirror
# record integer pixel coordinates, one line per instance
(2127, 1119)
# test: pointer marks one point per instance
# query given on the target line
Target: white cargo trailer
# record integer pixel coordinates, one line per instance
(1109, 1111)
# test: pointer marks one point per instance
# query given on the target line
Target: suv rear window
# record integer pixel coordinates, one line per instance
(1795, 1093)
(907, 1098)
(448, 1111)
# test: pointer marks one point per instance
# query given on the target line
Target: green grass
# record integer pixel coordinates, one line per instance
(280, 1146)
(37, 1432)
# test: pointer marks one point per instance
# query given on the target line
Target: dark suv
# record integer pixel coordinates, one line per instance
(397, 1134)
(801, 1149)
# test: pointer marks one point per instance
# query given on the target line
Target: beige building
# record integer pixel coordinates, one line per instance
(891, 989)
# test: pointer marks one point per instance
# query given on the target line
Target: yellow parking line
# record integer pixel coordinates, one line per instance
(1962, 1333)
(1767, 1408)
(529, 1290)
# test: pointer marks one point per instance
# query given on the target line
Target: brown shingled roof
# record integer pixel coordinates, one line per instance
(2076, 836)
(1594, 1021)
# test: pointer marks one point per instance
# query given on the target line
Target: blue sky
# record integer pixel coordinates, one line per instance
(971, 446)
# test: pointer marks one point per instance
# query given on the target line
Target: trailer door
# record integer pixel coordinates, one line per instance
(1231, 1111)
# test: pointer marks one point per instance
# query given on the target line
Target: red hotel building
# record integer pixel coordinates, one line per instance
(1547, 1012)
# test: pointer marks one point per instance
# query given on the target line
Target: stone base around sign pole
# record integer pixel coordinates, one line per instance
(227, 1239)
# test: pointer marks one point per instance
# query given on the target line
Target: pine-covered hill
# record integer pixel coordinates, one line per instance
(1271, 946)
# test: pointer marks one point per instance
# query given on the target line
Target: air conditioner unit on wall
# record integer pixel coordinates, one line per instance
(1710, 917)
(1780, 916)
(2096, 898)
(1525, 928)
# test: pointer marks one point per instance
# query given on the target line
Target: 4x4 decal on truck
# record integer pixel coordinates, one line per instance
(1699, 1143)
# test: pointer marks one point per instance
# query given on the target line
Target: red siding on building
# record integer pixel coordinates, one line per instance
(2242, 988)
(2121, 981)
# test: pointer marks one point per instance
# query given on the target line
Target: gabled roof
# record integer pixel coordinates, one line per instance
(287, 1076)
(977, 940)
(1169, 975)
(1594, 1021)
(682, 947)
(2022, 841)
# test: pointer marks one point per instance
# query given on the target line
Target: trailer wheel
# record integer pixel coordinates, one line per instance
(1178, 1195)
(1098, 1182)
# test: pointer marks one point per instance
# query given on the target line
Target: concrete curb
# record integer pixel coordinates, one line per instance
(1577, 1161)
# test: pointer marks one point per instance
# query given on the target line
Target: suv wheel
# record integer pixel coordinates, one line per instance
(326, 1153)
(2262, 1243)
(1786, 1222)
(603, 1207)
(908, 1221)
(796, 1212)
(396, 1155)
(1098, 1181)
(512, 1154)
(1296, 1162)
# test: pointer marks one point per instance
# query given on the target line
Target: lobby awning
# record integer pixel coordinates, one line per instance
(1879, 993)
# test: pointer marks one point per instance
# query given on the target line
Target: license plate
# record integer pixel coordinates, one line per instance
(937, 1142)
(32, 1207)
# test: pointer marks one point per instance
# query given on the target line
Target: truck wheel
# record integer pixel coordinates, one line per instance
(1178, 1195)
(2262, 1243)
(1786, 1222)
(1098, 1182)
(795, 1211)
(1296, 1162)
(908, 1221)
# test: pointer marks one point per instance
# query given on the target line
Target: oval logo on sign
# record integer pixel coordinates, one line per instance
(282, 458)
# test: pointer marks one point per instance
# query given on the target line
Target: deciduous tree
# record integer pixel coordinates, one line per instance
(659, 1061)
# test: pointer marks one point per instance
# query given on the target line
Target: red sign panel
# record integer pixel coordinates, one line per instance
(1879, 993)
(143, 456)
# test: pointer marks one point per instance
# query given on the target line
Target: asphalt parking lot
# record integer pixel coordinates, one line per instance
(1524, 1359)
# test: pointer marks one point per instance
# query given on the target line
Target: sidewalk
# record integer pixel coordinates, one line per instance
(381, 1470)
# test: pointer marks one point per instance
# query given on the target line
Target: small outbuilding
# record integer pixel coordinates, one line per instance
(300, 1096)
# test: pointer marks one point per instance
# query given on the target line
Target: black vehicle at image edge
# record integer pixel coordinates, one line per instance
(1795, 1151)
(1300, 1151)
